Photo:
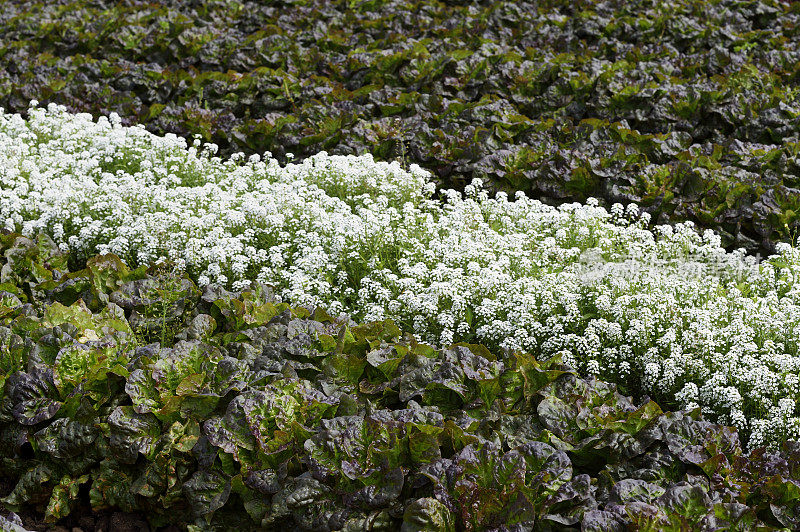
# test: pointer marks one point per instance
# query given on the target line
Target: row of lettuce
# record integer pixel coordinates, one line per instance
(137, 390)
(688, 108)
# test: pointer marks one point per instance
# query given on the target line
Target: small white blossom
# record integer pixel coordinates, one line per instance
(663, 308)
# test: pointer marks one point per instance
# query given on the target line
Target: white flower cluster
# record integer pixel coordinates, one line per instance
(664, 311)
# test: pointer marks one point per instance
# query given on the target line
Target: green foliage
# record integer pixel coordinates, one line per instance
(688, 108)
(258, 416)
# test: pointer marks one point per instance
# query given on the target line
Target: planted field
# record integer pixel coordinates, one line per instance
(196, 393)
(688, 108)
(138, 390)
(666, 311)
(508, 281)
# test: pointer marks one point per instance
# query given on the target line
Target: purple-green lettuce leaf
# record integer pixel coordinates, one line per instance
(203, 452)
(536, 374)
(12, 437)
(214, 292)
(428, 514)
(571, 502)
(176, 384)
(343, 449)
(64, 495)
(48, 340)
(305, 500)
(31, 395)
(231, 432)
(481, 371)
(457, 434)
(791, 451)
(414, 379)
(88, 366)
(180, 436)
(132, 433)
(371, 335)
(481, 493)
(631, 490)
(686, 502)
(440, 475)
(685, 436)
(108, 273)
(365, 456)
(141, 388)
(37, 410)
(424, 442)
(255, 503)
(206, 492)
(373, 521)
(380, 494)
(32, 487)
(738, 517)
(594, 419)
(557, 416)
(10, 306)
(517, 430)
(547, 468)
(180, 369)
(69, 289)
(201, 328)
(606, 520)
(13, 356)
(762, 464)
(656, 464)
(456, 377)
(238, 314)
(153, 479)
(643, 516)
(488, 487)
(266, 481)
(65, 438)
(637, 420)
(386, 359)
(348, 361)
(141, 294)
(103, 275)
(274, 421)
(77, 314)
(22, 262)
(230, 375)
(270, 417)
(783, 497)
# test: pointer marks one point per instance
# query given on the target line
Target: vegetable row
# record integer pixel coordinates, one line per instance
(217, 410)
(661, 310)
(688, 108)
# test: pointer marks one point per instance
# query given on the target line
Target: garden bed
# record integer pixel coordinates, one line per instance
(687, 108)
(135, 393)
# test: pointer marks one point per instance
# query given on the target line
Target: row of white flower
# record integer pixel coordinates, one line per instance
(667, 310)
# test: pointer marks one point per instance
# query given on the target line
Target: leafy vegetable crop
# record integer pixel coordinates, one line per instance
(664, 311)
(688, 107)
(248, 414)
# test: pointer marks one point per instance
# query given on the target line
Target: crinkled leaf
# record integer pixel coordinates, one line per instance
(65, 438)
(427, 514)
(29, 487)
(64, 493)
(111, 486)
(132, 433)
(207, 492)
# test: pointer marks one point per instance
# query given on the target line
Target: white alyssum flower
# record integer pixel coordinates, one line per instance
(665, 309)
